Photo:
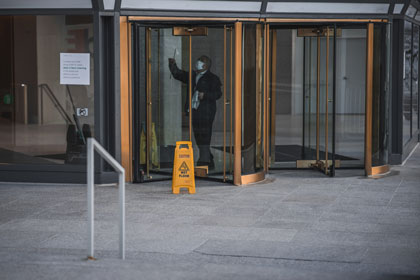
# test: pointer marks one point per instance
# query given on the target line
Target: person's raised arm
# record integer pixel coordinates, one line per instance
(177, 73)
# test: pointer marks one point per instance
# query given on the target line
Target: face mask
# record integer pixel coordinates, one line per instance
(199, 65)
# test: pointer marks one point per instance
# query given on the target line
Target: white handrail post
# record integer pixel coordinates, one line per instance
(122, 213)
(93, 145)
(90, 195)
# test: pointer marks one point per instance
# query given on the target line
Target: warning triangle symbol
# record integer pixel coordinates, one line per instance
(184, 167)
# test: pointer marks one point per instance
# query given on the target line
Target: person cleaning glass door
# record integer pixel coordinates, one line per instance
(206, 88)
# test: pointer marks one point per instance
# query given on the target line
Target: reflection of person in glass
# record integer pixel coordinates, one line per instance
(205, 91)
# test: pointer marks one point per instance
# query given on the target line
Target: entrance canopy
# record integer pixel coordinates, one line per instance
(372, 7)
(261, 8)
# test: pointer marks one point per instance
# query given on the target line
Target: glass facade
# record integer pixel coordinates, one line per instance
(410, 82)
(380, 95)
(47, 103)
(407, 82)
(46, 89)
(252, 99)
(415, 81)
(351, 95)
(291, 55)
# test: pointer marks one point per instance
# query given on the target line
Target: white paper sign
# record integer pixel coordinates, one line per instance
(74, 68)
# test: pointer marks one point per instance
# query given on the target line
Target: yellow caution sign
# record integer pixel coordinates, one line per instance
(183, 173)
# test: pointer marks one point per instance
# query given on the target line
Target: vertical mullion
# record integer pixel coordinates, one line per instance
(368, 120)
(190, 86)
(318, 77)
(238, 104)
(326, 98)
(148, 98)
(332, 171)
(265, 96)
(224, 103)
(231, 101)
(273, 93)
(411, 81)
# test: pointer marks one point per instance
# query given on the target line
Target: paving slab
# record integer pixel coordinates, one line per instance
(297, 224)
(280, 250)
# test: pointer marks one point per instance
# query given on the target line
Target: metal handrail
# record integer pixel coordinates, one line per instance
(56, 103)
(93, 145)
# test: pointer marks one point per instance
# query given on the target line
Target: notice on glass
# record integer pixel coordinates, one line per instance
(74, 68)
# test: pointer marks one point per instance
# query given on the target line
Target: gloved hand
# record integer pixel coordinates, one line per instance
(171, 61)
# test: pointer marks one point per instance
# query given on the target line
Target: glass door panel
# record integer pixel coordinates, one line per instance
(253, 99)
(351, 95)
(212, 114)
(309, 144)
(158, 109)
(318, 117)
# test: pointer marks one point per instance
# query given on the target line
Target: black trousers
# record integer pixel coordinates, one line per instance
(202, 128)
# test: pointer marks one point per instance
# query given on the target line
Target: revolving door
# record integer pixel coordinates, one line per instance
(319, 97)
(302, 97)
(165, 106)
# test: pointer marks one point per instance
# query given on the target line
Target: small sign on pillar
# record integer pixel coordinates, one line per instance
(183, 172)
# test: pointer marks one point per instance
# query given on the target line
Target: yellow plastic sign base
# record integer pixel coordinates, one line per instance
(183, 172)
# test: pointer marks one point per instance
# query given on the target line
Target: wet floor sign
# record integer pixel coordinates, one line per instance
(183, 172)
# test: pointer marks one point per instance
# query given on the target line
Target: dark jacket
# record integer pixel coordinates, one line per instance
(209, 84)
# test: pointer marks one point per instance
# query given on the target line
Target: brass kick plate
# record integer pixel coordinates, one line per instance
(187, 31)
(201, 171)
(310, 163)
(315, 32)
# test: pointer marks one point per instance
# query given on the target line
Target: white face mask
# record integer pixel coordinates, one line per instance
(199, 65)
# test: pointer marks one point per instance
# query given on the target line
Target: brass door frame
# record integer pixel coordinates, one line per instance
(237, 163)
(231, 104)
(126, 98)
(266, 94)
(148, 98)
(235, 92)
(272, 51)
(322, 165)
(226, 101)
(259, 64)
(368, 102)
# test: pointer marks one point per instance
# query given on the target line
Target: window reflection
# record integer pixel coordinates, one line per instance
(415, 80)
(43, 121)
(407, 83)
(252, 98)
(380, 97)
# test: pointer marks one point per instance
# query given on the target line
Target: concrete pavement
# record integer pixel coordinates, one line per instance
(295, 225)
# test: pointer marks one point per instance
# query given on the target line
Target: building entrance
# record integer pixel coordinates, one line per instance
(182, 91)
(251, 96)
(317, 96)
